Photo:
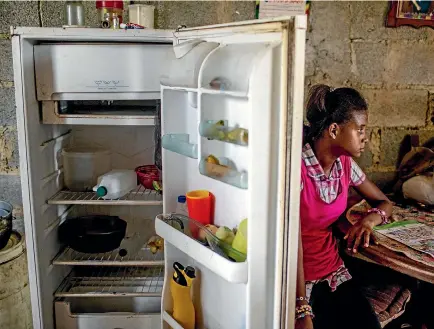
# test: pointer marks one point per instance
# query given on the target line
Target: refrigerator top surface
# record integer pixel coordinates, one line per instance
(150, 35)
(91, 34)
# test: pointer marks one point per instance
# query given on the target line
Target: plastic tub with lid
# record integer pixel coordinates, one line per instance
(83, 165)
(142, 15)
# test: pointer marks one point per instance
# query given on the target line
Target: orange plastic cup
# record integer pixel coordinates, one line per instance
(199, 204)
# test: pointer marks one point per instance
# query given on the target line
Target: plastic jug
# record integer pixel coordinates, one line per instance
(180, 286)
(115, 184)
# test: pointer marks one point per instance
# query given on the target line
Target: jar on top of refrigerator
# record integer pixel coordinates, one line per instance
(110, 13)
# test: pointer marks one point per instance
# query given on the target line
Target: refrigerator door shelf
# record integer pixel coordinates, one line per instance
(219, 130)
(171, 321)
(231, 93)
(230, 271)
(179, 143)
(224, 172)
(229, 66)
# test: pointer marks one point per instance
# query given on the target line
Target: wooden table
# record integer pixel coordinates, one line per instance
(383, 256)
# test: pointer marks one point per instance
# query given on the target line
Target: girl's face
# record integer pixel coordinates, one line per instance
(351, 137)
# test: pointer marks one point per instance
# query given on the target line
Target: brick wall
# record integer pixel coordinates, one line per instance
(348, 45)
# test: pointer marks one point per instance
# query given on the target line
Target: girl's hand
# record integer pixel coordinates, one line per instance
(362, 232)
(304, 323)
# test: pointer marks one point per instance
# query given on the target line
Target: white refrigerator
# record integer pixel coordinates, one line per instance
(104, 88)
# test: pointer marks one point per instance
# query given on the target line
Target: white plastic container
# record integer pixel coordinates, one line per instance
(142, 15)
(115, 184)
(83, 165)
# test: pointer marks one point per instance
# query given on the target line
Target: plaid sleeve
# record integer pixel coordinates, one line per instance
(357, 174)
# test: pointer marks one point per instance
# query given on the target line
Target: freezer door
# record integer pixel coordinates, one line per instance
(261, 64)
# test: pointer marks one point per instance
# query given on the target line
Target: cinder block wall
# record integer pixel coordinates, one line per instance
(347, 45)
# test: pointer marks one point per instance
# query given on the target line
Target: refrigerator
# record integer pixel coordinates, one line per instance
(131, 91)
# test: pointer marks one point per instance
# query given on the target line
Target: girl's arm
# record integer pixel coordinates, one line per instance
(306, 322)
(361, 232)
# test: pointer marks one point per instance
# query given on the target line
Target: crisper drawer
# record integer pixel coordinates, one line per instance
(99, 71)
(68, 318)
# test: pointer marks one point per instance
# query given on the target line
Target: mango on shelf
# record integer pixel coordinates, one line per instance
(155, 244)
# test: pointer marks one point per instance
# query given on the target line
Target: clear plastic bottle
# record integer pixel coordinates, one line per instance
(181, 206)
(115, 184)
(74, 13)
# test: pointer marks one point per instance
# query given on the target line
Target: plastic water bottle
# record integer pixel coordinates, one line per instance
(115, 184)
(181, 206)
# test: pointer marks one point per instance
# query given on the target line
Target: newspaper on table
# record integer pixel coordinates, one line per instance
(412, 233)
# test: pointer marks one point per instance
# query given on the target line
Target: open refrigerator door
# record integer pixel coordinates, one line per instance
(232, 112)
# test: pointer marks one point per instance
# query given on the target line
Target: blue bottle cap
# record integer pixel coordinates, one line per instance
(182, 199)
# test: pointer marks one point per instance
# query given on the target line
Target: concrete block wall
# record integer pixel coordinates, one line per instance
(348, 45)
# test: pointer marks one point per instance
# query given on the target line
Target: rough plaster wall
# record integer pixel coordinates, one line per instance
(348, 45)
(168, 15)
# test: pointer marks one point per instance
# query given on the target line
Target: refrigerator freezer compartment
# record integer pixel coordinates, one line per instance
(68, 318)
(54, 113)
(225, 171)
(144, 257)
(137, 197)
(179, 143)
(112, 282)
(177, 230)
(77, 70)
(219, 130)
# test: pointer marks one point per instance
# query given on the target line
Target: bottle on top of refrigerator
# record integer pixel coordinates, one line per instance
(115, 184)
(181, 206)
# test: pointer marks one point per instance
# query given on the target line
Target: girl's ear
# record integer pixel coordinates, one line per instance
(333, 130)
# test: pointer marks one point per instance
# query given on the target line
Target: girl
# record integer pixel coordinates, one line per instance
(327, 298)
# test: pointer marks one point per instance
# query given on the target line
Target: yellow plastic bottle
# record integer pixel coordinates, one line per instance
(180, 285)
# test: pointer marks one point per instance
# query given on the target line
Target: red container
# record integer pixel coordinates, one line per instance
(146, 175)
(110, 13)
(200, 205)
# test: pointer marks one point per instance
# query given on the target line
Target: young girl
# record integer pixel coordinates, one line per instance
(327, 298)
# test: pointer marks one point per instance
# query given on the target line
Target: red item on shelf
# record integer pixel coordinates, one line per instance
(147, 175)
(110, 4)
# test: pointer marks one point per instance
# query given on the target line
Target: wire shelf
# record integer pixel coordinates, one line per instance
(138, 197)
(140, 259)
(113, 282)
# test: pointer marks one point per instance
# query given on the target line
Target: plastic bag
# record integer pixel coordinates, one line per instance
(420, 188)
